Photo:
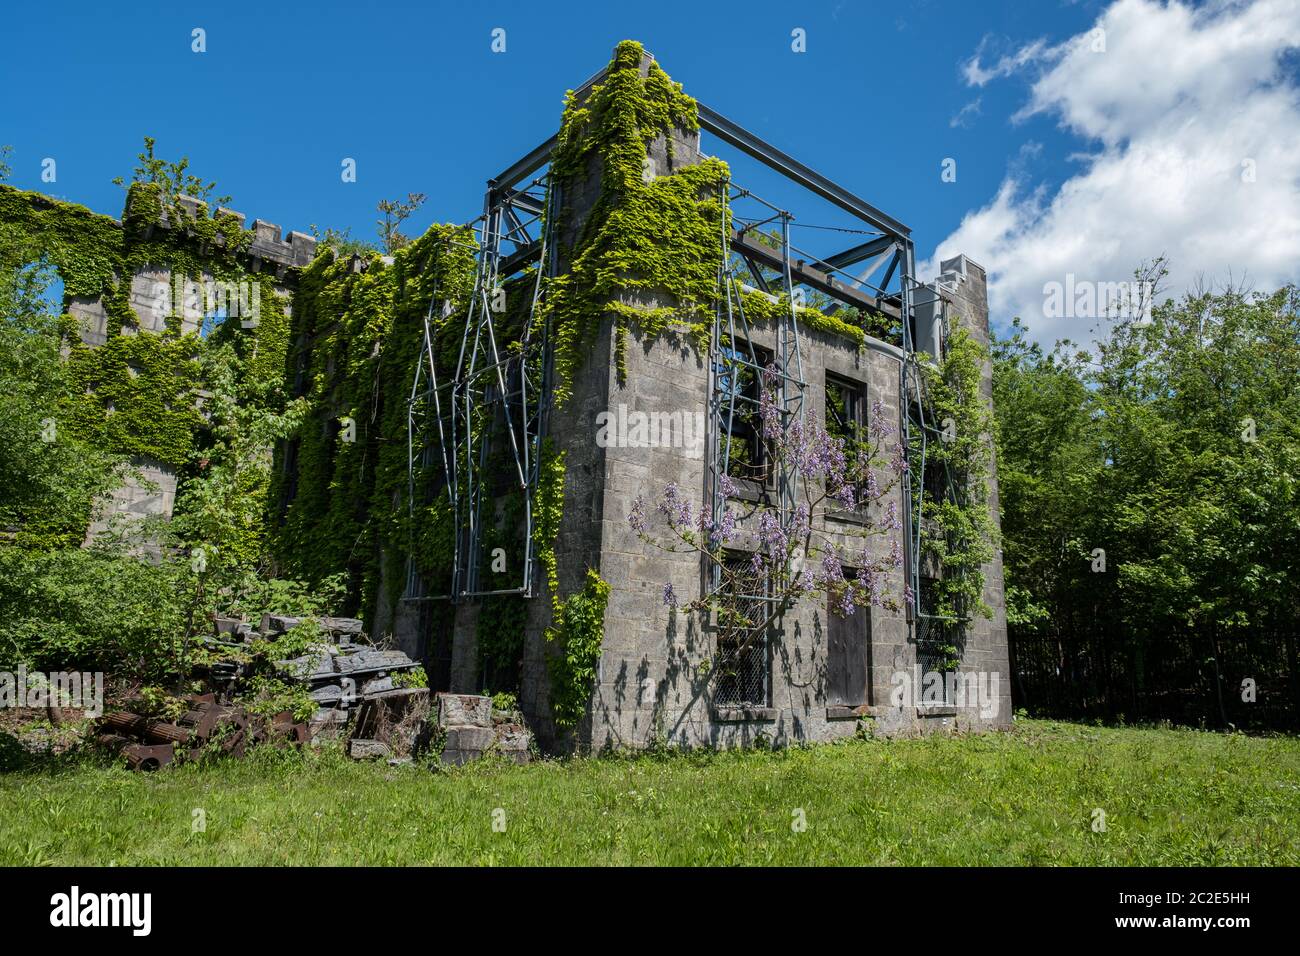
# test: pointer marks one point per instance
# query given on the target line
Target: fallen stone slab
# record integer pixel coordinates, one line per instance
(279, 623)
(341, 625)
(329, 695)
(376, 685)
(309, 667)
(468, 710)
(373, 660)
(227, 626)
(361, 749)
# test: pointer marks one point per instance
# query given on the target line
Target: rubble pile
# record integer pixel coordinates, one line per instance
(354, 686)
(148, 744)
(344, 671)
(469, 728)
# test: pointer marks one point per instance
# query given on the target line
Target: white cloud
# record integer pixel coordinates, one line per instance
(977, 75)
(965, 117)
(1183, 105)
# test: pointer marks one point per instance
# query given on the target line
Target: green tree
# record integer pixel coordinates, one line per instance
(48, 477)
(172, 177)
(396, 212)
(1172, 447)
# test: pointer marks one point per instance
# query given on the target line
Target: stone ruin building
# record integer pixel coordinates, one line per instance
(475, 433)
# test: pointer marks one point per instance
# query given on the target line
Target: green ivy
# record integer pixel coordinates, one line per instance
(663, 237)
(579, 631)
(358, 325)
(136, 394)
(959, 535)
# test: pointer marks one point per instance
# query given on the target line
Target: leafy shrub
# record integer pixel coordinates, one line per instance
(411, 678)
(91, 609)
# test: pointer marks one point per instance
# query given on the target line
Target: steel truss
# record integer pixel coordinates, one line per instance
(496, 398)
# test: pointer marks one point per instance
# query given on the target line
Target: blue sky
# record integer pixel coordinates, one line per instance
(415, 94)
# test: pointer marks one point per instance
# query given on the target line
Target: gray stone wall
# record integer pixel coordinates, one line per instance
(653, 683)
(150, 490)
(987, 648)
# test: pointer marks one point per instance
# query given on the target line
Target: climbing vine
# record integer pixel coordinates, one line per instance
(341, 490)
(135, 394)
(579, 630)
(659, 234)
(958, 533)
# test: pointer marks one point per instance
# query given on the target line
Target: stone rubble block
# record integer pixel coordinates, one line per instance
(368, 749)
(279, 623)
(372, 660)
(470, 738)
(513, 741)
(464, 710)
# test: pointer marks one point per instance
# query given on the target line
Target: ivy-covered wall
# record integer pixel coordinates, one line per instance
(137, 394)
(340, 488)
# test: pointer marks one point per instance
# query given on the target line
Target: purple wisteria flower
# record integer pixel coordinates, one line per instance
(636, 517)
(773, 537)
(899, 461)
(799, 526)
(878, 425)
(724, 530)
(796, 556)
(892, 522)
(675, 507)
(871, 489)
(832, 571)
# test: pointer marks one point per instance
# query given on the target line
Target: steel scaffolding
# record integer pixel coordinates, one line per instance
(496, 395)
(877, 275)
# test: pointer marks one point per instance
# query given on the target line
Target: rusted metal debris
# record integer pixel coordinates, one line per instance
(150, 744)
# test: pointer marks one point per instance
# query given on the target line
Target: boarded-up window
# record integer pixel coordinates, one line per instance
(848, 656)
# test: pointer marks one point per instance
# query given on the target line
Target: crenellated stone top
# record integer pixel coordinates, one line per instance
(296, 250)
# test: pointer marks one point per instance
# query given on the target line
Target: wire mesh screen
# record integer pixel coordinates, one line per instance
(742, 663)
(938, 648)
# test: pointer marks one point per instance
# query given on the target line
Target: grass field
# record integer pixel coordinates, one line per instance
(1176, 797)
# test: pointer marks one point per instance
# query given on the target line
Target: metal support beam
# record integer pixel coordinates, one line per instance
(791, 168)
(848, 257)
(804, 274)
(526, 166)
(519, 258)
